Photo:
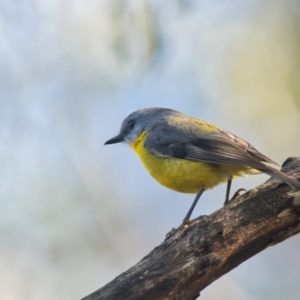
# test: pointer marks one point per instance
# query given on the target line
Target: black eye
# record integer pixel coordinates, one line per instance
(131, 124)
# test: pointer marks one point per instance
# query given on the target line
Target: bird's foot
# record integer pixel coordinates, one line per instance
(236, 194)
(184, 225)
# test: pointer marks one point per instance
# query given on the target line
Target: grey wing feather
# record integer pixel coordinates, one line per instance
(218, 148)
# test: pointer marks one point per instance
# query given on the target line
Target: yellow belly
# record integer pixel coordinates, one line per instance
(184, 175)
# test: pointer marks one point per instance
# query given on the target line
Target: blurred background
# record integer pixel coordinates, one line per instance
(75, 214)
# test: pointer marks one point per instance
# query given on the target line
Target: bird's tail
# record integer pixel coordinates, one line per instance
(282, 176)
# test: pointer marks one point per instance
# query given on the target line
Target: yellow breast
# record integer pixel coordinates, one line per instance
(183, 175)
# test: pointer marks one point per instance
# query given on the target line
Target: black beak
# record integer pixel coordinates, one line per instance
(117, 139)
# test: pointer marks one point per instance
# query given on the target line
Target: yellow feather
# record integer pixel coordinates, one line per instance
(183, 175)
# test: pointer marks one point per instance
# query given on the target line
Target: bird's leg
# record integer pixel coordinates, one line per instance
(186, 220)
(228, 191)
(236, 194)
(188, 215)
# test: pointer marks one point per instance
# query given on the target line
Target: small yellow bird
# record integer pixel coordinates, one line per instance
(189, 155)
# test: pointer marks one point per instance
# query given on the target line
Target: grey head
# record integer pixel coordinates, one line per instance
(137, 122)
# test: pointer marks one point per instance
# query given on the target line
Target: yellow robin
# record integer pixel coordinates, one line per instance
(189, 155)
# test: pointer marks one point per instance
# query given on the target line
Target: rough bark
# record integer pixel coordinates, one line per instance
(192, 258)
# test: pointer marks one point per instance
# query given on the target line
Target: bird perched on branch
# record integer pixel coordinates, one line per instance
(189, 155)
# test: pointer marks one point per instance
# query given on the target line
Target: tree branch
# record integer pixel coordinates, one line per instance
(194, 257)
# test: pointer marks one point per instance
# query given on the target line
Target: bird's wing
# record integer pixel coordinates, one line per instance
(217, 147)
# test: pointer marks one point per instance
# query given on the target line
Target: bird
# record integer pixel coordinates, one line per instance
(189, 155)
